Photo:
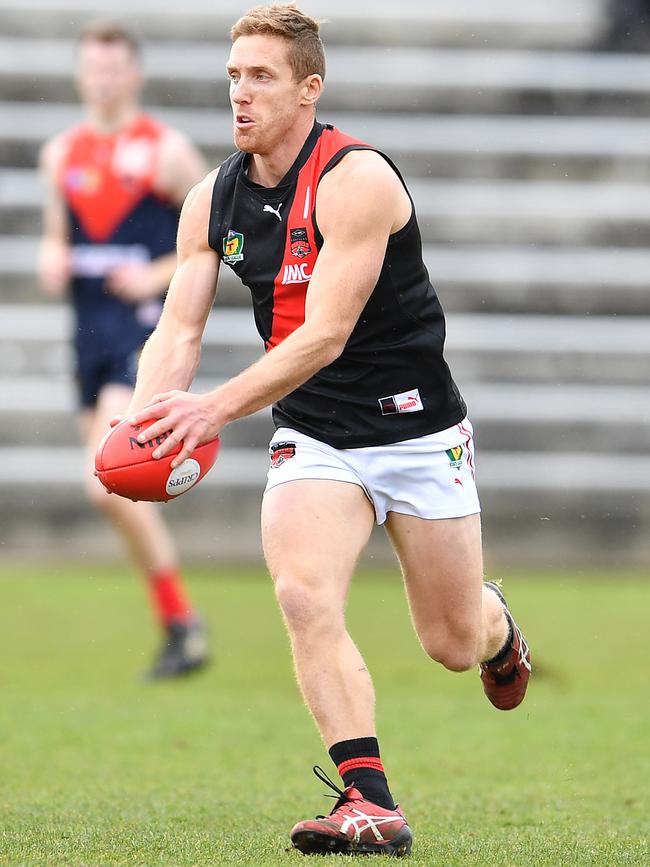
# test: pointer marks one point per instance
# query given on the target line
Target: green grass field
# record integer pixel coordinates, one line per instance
(97, 768)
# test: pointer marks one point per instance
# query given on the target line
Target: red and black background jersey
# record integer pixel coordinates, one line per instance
(391, 382)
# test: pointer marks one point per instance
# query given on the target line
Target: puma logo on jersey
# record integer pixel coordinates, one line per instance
(296, 274)
(272, 210)
(407, 401)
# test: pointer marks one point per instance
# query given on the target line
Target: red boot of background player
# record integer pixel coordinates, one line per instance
(354, 827)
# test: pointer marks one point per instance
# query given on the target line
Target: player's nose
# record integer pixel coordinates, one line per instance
(239, 92)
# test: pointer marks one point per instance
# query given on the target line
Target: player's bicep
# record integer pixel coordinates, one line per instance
(341, 285)
(193, 286)
(191, 293)
(356, 229)
(55, 220)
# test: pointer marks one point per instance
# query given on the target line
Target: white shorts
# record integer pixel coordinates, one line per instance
(427, 477)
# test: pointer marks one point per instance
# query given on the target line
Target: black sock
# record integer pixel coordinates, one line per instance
(359, 764)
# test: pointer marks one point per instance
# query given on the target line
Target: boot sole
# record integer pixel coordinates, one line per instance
(316, 843)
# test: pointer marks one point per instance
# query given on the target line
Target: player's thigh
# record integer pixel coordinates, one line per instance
(313, 531)
(113, 399)
(442, 564)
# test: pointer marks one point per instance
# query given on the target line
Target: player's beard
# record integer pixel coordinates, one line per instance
(265, 136)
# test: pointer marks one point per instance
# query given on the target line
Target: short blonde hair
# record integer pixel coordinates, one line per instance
(306, 52)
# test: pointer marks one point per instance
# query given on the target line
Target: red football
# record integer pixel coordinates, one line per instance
(126, 467)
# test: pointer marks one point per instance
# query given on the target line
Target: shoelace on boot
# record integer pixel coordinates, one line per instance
(341, 796)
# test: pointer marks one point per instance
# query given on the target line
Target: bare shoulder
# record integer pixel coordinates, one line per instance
(360, 168)
(53, 153)
(363, 188)
(180, 165)
(195, 215)
(174, 144)
(200, 196)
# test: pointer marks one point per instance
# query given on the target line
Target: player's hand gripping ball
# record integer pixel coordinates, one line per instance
(126, 467)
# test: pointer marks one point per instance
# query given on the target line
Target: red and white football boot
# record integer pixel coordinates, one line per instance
(505, 680)
(354, 827)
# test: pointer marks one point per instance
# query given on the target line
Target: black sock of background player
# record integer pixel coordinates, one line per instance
(359, 764)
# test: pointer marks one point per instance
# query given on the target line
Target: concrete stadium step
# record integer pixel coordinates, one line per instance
(494, 278)
(464, 22)
(481, 347)
(41, 410)
(571, 213)
(447, 80)
(608, 335)
(30, 469)
(422, 144)
(521, 527)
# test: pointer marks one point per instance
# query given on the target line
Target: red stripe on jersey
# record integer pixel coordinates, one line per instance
(104, 177)
(300, 252)
(367, 762)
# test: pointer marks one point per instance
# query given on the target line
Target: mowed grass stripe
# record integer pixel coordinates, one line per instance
(99, 768)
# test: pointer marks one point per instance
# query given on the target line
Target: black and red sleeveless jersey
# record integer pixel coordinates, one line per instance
(391, 382)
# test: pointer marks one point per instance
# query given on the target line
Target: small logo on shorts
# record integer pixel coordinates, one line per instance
(455, 456)
(407, 401)
(233, 244)
(300, 246)
(281, 452)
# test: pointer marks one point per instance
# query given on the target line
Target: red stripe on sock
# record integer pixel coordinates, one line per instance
(169, 597)
(365, 762)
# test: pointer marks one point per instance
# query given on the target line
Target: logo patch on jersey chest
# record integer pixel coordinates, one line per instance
(82, 179)
(300, 246)
(233, 245)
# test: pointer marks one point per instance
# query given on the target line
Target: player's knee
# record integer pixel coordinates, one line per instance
(456, 651)
(303, 607)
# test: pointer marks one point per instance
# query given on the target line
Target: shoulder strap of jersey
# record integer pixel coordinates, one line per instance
(221, 193)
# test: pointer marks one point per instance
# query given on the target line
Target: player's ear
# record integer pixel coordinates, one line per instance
(311, 87)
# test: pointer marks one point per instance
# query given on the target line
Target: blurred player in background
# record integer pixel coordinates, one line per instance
(115, 185)
(370, 425)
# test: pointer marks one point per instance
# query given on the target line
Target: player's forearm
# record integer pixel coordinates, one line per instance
(167, 362)
(54, 266)
(306, 351)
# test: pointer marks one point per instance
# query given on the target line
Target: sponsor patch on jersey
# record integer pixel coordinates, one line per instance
(407, 401)
(133, 158)
(296, 274)
(279, 453)
(455, 456)
(300, 246)
(82, 179)
(233, 245)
